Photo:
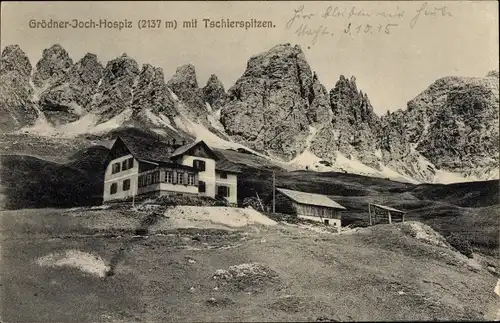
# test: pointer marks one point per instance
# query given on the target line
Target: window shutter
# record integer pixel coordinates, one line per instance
(227, 192)
(196, 179)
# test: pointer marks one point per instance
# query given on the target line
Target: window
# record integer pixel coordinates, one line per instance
(168, 177)
(116, 168)
(126, 185)
(202, 187)
(128, 164)
(156, 177)
(223, 175)
(180, 178)
(199, 165)
(223, 191)
(149, 180)
(190, 179)
(114, 188)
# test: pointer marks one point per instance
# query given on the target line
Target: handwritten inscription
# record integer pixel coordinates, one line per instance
(427, 10)
(335, 20)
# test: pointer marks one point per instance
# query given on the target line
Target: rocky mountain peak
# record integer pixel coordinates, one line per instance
(71, 95)
(151, 93)
(185, 85)
(354, 127)
(16, 108)
(275, 100)
(115, 92)
(185, 75)
(14, 59)
(214, 92)
(53, 65)
(492, 74)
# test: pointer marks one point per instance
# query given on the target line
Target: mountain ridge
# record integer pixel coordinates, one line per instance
(277, 108)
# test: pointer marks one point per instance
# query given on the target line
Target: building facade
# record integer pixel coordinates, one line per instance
(140, 167)
(309, 206)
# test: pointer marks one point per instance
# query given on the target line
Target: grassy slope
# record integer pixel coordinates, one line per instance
(470, 209)
(32, 182)
(378, 273)
(467, 208)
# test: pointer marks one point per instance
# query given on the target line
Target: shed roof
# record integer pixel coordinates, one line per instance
(387, 208)
(311, 198)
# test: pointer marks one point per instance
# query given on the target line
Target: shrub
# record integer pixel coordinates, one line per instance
(358, 223)
(172, 200)
(253, 202)
(460, 243)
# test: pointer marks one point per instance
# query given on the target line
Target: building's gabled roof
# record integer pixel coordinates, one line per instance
(148, 149)
(387, 208)
(311, 198)
(227, 166)
(186, 148)
(157, 151)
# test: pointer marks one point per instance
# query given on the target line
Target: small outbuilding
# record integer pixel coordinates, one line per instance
(377, 212)
(310, 206)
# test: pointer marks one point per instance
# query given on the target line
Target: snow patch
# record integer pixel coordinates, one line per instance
(445, 177)
(85, 125)
(209, 107)
(202, 133)
(173, 95)
(354, 165)
(83, 261)
(393, 175)
(159, 120)
(191, 216)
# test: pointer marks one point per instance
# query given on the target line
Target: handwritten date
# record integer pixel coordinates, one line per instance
(369, 29)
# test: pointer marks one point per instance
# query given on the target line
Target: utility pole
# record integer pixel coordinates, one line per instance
(274, 191)
(134, 188)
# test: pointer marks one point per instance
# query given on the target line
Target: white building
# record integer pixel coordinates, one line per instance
(141, 166)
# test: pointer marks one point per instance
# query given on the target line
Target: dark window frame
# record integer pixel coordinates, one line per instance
(116, 168)
(202, 187)
(225, 191)
(113, 189)
(200, 165)
(126, 185)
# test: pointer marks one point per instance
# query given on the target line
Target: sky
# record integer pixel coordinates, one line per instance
(394, 49)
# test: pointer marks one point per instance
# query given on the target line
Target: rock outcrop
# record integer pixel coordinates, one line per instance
(354, 126)
(185, 87)
(214, 93)
(151, 93)
(16, 108)
(273, 103)
(70, 96)
(115, 91)
(278, 107)
(453, 124)
(54, 64)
